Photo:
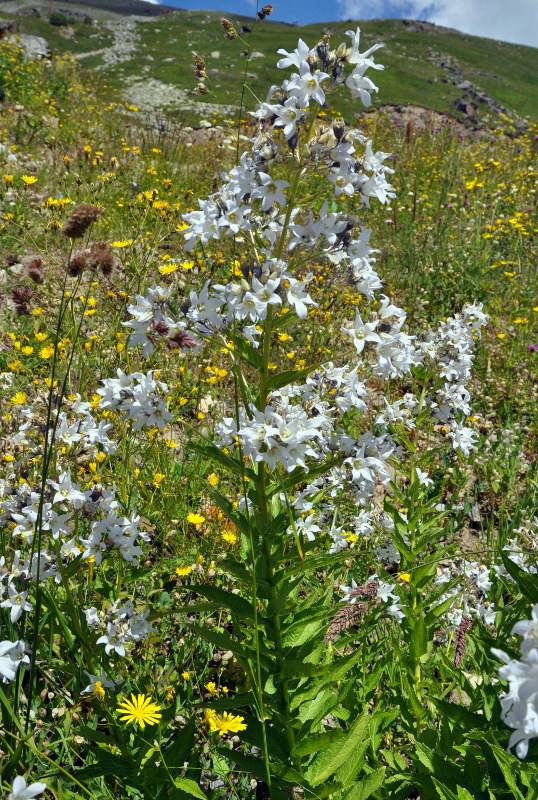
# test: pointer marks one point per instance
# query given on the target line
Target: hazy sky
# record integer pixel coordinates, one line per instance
(508, 20)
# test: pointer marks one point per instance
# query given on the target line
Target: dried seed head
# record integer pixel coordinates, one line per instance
(231, 32)
(77, 264)
(80, 220)
(35, 270)
(265, 12)
(461, 639)
(199, 65)
(201, 88)
(100, 256)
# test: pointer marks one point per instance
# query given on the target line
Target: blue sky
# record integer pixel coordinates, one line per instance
(509, 20)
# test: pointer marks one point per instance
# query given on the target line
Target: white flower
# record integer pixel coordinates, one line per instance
(354, 56)
(305, 85)
(287, 116)
(12, 654)
(269, 191)
(294, 59)
(362, 332)
(20, 791)
(16, 602)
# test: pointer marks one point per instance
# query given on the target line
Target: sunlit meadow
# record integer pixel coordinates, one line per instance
(268, 499)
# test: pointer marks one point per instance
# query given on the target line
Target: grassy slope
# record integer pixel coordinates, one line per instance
(507, 72)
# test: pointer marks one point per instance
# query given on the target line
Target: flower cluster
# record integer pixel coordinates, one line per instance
(520, 703)
(138, 397)
(122, 625)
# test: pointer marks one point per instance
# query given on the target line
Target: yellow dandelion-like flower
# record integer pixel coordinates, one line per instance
(196, 519)
(224, 723)
(19, 399)
(140, 710)
(213, 479)
(185, 675)
(404, 576)
(229, 537)
(166, 269)
(183, 571)
(41, 337)
(123, 243)
(28, 179)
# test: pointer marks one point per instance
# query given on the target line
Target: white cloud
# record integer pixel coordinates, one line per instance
(508, 20)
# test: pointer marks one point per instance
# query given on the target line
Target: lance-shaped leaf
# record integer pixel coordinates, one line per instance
(327, 763)
(234, 603)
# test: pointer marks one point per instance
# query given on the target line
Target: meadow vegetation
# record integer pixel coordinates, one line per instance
(268, 490)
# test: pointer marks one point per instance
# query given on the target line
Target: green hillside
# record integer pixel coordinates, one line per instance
(425, 65)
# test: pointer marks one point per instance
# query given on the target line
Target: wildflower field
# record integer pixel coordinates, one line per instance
(268, 488)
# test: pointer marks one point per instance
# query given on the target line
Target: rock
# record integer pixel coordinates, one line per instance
(257, 54)
(34, 47)
(215, 54)
(172, 58)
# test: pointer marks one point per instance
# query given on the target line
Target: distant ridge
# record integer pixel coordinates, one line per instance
(125, 7)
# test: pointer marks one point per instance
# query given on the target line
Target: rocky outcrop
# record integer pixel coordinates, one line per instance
(34, 47)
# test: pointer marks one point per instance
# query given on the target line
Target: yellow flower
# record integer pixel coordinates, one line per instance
(196, 519)
(98, 691)
(212, 688)
(47, 351)
(187, 265)
(140, 710)
(8, 180)
(404, 576)
(124, 243)
(182, 571)
(229, 537)
(224, 723)
(40, 336)
(27, 351)
(158, 477)
(19, 399)
(37, 312)
(213, 479)
(28, 179)
(170, 692)
(166, 269)
(185, 675)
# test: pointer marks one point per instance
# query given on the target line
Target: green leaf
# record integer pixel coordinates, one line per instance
(235, 604)
(246, 351)
(418, 644)
(214, 454)
(190, 787)
(527, 582)
(227, 642)
(366, 786)
(347, 773)
(301, 669)
(289, 376)
(337, 753)
(178, 749)
(312, 744)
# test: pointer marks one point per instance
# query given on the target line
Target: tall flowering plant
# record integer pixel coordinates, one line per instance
(312, 450)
